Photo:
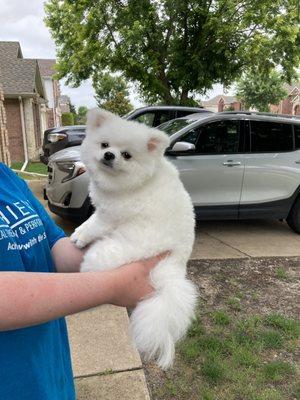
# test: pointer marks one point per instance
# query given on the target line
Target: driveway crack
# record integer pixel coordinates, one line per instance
(226, 244)
(108, 372)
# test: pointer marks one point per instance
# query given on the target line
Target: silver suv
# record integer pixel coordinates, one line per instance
(234, 166)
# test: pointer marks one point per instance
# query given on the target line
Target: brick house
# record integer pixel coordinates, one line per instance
(24, 102)
(221, 103)
(291, 104)
(52, 88)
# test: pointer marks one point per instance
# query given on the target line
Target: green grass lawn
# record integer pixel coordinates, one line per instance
(35, 167)
(235, 359)
(245, 341)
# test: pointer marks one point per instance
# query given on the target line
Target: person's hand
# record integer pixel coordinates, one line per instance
(133, 283)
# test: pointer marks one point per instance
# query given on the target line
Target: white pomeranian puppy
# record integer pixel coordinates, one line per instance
(141, 210)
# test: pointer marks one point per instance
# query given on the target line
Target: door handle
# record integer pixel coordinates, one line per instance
(231, 163)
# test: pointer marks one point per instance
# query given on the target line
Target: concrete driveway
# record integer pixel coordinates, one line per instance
(235, 239)
(243, 239)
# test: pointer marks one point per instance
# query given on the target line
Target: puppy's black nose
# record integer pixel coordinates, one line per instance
(108, 156)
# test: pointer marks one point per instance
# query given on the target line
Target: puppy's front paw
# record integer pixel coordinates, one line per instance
(80, 238)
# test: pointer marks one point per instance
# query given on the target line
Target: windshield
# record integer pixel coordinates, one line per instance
(175, 125)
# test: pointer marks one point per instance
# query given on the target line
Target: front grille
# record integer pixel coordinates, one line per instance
(50, 174)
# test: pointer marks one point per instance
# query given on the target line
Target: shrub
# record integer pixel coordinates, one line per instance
(67, 119)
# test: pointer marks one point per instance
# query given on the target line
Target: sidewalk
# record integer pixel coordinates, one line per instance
(105, 364)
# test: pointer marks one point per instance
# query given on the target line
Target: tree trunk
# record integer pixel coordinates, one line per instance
(166, 95)
(184, 96)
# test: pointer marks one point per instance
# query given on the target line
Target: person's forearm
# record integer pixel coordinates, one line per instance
(32, 298)
(66, 256)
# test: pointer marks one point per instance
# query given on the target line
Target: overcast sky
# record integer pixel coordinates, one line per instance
(22, 21)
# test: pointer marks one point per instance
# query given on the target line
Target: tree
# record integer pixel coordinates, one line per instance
(73, 111)
(259, 90)
(118, 105)
(173, 49)
(72, 108)
(81, 115)
(112, 93)
(67, 119)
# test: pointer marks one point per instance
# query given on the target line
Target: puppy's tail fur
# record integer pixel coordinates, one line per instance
(158, 322)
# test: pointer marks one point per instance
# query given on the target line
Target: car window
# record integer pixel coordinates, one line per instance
(175, 125)
(270, 137)
(162, 116)
(191, 136)
(146, 118)
(221, 137)
(297, 136)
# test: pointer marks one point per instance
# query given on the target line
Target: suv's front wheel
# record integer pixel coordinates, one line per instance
(293, 218)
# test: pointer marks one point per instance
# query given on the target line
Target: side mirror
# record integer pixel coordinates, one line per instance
(181, 147)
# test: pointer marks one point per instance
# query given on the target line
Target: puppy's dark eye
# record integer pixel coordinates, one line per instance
(104, 145)
(126, 155)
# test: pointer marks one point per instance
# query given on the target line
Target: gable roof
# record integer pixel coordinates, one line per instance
(215, 100)
(18, 75)
(292, 88)
(47, 67)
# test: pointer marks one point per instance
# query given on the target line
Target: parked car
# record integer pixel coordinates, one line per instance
(56, 139)
(234, 166)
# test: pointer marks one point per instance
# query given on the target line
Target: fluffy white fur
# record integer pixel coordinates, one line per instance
(142, 209)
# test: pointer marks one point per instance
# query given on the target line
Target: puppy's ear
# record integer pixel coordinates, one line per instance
(157, 142)
(96, 117)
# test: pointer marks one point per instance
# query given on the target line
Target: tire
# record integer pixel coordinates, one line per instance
(293, 219)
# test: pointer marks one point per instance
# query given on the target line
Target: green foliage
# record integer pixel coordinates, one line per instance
(277, 371)
(234, 303)
(288, 326)
(244, 357)
(213, 369)
(81, 115)
(107, 86)
(72, 108)
(271, 339)
(118, 105)
(112, 93)
(296, 391)
(281, 273)
(221, 318)
(73, 111)
(234, 360)
(173, 49)
(67, 119)
(259, 90)
(35, 167)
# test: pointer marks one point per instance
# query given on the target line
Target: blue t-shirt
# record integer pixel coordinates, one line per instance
(34, 362)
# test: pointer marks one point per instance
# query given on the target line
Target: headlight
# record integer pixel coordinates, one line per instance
(71, 169)
(56, 137)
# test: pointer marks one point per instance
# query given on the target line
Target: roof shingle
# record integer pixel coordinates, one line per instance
(216, 99)
(18, 75)
(46, 67)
